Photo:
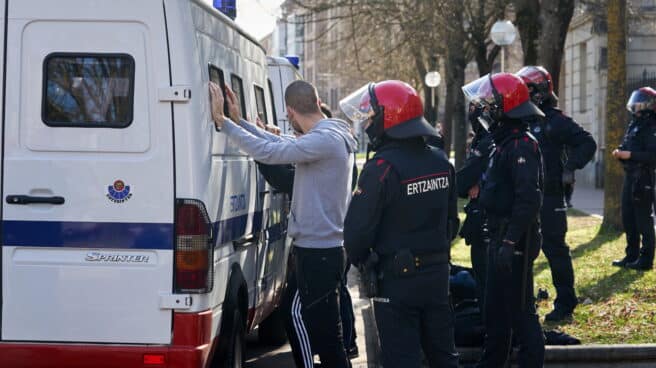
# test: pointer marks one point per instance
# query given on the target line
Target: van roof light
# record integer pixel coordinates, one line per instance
(227, 7)
(295, 60)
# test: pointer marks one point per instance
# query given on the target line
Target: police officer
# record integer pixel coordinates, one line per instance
(511, 196)
(557, 134)
(468, 178)
(401, 210)
(637, 153)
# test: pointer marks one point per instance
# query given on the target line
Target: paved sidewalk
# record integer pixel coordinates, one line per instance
(589, 200)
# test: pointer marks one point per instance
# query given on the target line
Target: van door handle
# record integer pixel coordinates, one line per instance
(246, 240)
(25, 199)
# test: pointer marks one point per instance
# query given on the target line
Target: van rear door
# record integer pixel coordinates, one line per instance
(88, 188)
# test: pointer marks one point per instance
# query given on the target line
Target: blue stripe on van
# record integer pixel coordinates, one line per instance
(235, 227)
(118, 235)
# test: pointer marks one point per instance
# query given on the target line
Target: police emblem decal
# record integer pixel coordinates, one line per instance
(118, 192)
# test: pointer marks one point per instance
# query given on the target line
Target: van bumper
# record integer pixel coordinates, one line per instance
(191, 347)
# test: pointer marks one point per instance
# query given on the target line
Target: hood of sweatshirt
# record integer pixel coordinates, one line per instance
(338, 127)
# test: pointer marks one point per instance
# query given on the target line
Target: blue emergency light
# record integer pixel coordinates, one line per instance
(294, 60)
(227, 7)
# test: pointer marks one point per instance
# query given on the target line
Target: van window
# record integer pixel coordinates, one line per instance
(216, 76)
(260, 103)
(88, 90)
(238, 88)
(273, 103)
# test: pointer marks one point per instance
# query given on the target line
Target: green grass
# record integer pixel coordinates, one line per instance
(616, 305)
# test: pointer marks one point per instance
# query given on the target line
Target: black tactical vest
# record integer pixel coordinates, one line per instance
(417, 217)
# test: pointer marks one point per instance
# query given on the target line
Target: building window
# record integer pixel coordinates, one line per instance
(333, 98)
(603, 58)
(583, 77)
(88, 90)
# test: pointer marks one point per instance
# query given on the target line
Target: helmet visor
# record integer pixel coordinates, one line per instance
(532, 74)
(357, 106)
(480, 92)
(641, 100)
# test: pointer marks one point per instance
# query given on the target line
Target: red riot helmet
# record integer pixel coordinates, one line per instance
(539, 82)
(395, 110)
(503, 95)
(642, 100)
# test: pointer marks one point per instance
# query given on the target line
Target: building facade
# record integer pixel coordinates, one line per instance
(584, 72)
(315, 39)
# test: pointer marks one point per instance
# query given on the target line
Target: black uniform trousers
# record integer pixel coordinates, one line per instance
(312, 294)
(507, 315)
(638, 221)
(554, 227)
(478, 253)
(413, 314)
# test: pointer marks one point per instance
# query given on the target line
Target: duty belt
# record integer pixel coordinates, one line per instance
(420, 260)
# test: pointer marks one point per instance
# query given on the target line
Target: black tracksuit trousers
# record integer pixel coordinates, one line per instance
(312, 295)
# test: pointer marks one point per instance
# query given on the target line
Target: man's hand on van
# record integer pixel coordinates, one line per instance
(269, 128)
(216, 103)
(233, 105)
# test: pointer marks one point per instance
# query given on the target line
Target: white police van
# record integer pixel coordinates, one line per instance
(133, 233)
(282, 72)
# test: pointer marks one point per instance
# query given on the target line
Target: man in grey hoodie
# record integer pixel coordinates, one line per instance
(323, 158)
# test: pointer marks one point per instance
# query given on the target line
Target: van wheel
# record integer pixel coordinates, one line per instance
(232, 355)
(272, 330)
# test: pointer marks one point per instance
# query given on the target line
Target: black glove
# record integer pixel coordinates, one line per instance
(505, 257)
(568, 177)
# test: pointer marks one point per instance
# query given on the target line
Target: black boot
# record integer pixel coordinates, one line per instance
(642, 263)
(558, 315)
(624, 261)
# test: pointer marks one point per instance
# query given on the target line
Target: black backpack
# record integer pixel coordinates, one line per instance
(469, 328)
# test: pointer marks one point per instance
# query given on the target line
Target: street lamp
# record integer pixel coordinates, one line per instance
(503, 33)
(433, 80)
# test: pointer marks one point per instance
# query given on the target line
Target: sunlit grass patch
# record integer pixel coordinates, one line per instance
(615, 305)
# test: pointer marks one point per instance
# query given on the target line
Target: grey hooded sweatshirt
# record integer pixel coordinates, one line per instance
(322, 183)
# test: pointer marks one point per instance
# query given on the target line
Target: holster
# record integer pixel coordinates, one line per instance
(498, 227)
(369, 275)
(473, 229)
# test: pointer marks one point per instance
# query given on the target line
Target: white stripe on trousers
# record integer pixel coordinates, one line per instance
(301, 332)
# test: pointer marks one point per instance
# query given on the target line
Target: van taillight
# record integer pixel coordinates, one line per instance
(194, 263)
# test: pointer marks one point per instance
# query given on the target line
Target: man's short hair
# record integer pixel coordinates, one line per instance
(302, 97)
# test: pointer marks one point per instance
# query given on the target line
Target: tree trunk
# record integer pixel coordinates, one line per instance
(528, 12)
(449, 101)
(555, 16)
(454, 116)
(615, 113)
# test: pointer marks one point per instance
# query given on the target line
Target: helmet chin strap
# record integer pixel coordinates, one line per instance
(376, 130)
